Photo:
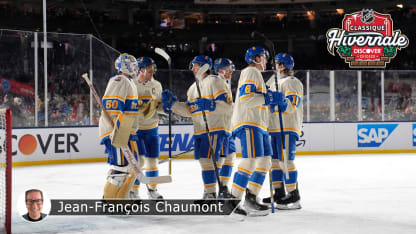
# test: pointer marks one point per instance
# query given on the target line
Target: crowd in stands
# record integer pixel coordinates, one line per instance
(69, 56)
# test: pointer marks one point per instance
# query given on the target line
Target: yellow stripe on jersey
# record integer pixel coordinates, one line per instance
(249, 82)
(284, 129)
(263, 107)
(246, 96)
(207, 96)
(115, 97)
(148, 127)
(293, 93)
(219, 93)
(250, 123)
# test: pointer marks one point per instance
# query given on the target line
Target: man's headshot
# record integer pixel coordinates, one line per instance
(34, 205)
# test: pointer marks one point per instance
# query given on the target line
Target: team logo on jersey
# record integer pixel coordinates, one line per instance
(373, 135)
(366, 39)
(414, 134)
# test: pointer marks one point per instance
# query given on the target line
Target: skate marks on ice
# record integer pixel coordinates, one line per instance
(339, 194)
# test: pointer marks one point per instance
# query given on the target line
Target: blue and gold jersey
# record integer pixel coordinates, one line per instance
(120, 98)
(149, 91)
(293, 115)
(250, 110)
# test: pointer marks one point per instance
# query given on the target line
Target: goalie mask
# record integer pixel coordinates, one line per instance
(127, 64)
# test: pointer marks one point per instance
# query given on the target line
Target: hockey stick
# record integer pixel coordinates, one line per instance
(163, 53)
(270, 45)
(129, 155)
(176, 156)
(198, 76)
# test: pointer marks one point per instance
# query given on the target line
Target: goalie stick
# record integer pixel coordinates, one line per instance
(201, 71)
(176, 156)
(163, 53)
(129, 155)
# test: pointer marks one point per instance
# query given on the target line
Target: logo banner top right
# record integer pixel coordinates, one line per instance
(366, 39)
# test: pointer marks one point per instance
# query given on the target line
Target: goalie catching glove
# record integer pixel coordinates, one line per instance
(148, 109)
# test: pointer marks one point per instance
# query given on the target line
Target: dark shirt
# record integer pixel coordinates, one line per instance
(26, 216)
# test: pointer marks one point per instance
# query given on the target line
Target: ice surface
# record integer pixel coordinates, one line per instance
(371, 193)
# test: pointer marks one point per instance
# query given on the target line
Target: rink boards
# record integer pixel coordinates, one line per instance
(36, 146)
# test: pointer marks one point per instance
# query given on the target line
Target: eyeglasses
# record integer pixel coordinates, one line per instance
(37, 201)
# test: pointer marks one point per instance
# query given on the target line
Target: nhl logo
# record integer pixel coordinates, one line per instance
(367, 16)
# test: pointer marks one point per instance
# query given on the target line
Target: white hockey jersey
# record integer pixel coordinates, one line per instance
(293, 116)
(149, 90)
(212, 87)
(249, 108)
(120, 97)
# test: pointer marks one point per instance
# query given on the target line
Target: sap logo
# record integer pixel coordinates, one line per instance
(414, 134)
(179, 143)
(62, 142)
(373, 135)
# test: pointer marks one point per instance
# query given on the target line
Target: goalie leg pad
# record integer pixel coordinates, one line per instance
(208, 175)
(119, 182)
(242, 176)
(263, 165)
(121, 131)
(151, 169)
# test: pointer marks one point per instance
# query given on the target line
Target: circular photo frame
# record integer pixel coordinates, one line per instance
(36, 207)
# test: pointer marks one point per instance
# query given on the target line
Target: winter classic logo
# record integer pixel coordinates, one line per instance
(366, 40)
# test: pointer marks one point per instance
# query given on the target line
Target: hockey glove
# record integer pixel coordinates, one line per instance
(168, 99)
(205, 104)
(274, 98)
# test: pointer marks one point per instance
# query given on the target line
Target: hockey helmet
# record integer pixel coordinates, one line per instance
(254, 51)
(126, 63)
(285, 59)
(143, 62)
(201, 60)
(221, 63)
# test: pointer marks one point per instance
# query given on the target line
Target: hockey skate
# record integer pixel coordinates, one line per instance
(234, 207)
(290, 202)
(224, 192)
(279, 193)
(253, 207)
(209, 196)
(154, 194)
(134, 195)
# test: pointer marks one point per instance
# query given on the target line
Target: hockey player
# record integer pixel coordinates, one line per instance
(250, 122)
(292, 116)
(224, 68)
(149, 91)
(120, 101)
(215, 101)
